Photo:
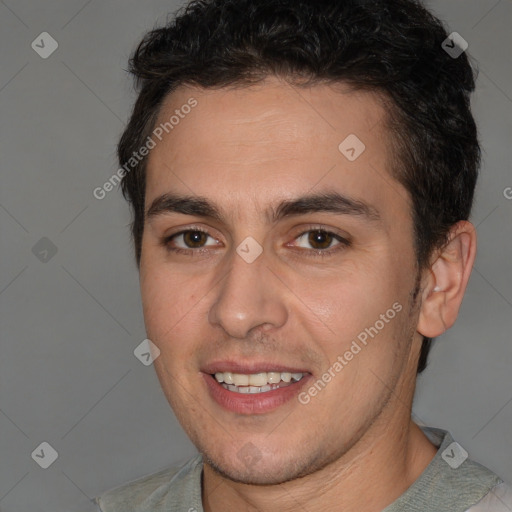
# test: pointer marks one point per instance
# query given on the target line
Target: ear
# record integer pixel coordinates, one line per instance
(445, 281)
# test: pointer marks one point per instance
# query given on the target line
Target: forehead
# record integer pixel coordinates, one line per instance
(251, 145)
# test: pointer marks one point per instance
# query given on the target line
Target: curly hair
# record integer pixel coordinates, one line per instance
(391, 47)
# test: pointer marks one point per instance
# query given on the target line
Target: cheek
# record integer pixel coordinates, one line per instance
(364, 330)
(169, 302)
(351, 299)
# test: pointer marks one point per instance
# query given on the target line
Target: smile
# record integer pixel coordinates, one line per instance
(256, 382)
(254, 393)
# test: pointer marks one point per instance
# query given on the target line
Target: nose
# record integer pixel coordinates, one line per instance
(249, 296)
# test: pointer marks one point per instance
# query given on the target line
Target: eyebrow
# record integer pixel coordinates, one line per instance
(328, 201)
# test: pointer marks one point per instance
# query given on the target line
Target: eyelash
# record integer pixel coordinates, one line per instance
(321, 253)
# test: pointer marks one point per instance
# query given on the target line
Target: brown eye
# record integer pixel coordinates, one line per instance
(187, 240)
(318, 242)
(320, 239)
(194, 239)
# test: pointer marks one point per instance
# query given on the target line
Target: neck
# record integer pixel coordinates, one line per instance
(391, 456)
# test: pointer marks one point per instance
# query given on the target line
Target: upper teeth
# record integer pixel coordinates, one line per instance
(256, 379)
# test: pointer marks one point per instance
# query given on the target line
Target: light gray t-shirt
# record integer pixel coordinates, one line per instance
(450, 483)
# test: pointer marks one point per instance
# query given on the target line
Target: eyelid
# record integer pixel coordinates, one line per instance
(326, 229)
(167, 238)
(343, 241)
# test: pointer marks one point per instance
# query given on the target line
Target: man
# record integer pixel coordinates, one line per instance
(301, 174)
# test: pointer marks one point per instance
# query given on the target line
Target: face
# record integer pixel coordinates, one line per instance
(245, 277)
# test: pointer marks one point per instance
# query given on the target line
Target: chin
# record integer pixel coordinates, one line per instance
(239, 473)
(266, 470)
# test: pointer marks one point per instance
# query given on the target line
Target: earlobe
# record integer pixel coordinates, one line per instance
(446, 281)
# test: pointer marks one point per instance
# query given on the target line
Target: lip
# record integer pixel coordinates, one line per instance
(254, 403)
(249, 367)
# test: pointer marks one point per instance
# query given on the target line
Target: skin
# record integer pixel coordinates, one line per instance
(244, 149)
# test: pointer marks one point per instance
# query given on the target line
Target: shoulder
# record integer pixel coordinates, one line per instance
(452, 481)
(498, 499)
(151, 492)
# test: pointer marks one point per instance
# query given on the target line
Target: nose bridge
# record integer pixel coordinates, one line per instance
(248, 296)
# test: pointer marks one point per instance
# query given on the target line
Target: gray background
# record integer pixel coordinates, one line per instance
(69, 326)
